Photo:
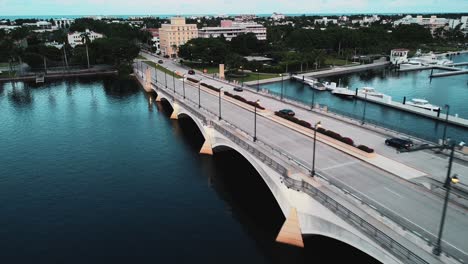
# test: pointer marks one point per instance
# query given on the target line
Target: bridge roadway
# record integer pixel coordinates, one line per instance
(414, 208)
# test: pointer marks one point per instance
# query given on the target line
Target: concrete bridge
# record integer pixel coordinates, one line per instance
(310, 205)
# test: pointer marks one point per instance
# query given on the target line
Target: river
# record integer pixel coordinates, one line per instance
(91, 172)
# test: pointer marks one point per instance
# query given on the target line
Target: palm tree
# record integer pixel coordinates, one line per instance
(85, 39)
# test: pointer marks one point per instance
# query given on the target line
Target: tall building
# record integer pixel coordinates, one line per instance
(175, 34)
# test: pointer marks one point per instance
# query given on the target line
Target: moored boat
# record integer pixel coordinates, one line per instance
(369, 91)
(424, 104)
(343, 92)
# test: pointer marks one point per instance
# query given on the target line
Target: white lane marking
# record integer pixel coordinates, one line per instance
(340, 165)
(395, 193)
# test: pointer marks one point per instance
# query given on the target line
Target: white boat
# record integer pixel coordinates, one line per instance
(329, 85)
(343, 92)
(424, 104)
(315, 84)
(371, 92)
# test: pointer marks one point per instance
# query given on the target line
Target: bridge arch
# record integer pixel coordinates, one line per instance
(317, 225)
(265, 173)
(198, 123)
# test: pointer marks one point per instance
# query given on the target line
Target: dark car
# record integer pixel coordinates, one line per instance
(160, 61)
(399, 143)
(238, 89)
(288, 112)
(191, 72)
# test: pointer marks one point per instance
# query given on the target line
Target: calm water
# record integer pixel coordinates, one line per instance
(440, 91)
(92, 173)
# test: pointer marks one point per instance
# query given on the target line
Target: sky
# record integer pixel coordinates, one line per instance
(185, 7)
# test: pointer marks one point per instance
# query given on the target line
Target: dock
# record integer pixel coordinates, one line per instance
(386, 101)
(444, 74)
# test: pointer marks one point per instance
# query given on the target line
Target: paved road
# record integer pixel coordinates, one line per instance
(417, 206)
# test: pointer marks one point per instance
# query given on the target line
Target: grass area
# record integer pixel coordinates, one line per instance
(161, 68)
(336, 62)
(208, 69)
(4, 65)
(5, 74)
(253, 77)
(139, 57)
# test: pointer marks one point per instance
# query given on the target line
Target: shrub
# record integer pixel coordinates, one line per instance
(242, 99)
(210, 87)
(193, 80)
(348, 141)
(365, 148)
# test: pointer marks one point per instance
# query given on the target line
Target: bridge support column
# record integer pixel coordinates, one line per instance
(147, 81)
(158, 98)
(175, 112)
(207, 148)
(291, 233)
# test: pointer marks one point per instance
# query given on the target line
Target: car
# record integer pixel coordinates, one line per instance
(191, 72)
(160, 61)
(288, 112)
(399, 143)
(238, 89)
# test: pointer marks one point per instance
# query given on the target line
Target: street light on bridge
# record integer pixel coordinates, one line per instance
(242, 69)
(449, 180)
(219, 96)
(173, 80)
(317, 125)
(199, 101)
(258, 80)
(255, 120)
(446, 122)
(183, 84)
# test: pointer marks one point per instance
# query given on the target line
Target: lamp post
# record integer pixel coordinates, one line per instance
(448, 181)
(446, 122)
(183, 84)
(313, 100)
(199, 102)
(255, 120)
(258, 80)
(219, 96)
(173, 80)
(242, 75)
(165, 78)
(317, 125)
(364, 112)
(282, 86)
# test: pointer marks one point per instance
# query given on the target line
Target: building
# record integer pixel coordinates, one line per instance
(325, 21)
(155, 40)
(175, 34)
(63, 22)
(398, 56)
(76, 38)
(277, 16)
(432, 22)
(230, 29)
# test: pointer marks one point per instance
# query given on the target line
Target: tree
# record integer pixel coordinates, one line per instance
(85, 39)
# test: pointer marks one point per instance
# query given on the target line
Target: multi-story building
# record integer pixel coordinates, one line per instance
(325, 21)
(277, 16)
(63, 22)
(155, 38)
(432, 22)
(230, 29)
(76, 38)
(175, 34)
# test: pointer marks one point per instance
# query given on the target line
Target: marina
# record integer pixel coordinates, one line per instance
(389, 96)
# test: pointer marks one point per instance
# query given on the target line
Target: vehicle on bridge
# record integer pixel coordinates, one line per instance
(399, 143)
(191, 72)
(238, 89)
(160, 61)
(288, 112)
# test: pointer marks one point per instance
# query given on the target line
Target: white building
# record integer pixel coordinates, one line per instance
(277, 16)
(63, 22)
(76, 38)
(230, 29)
(325, 21)
(432, 22)
(399, 56)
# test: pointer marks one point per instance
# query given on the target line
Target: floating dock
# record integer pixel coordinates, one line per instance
(387, 101)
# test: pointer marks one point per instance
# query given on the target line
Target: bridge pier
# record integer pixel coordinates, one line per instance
(290, 232)
(175, 112)
(207, 148)
(147, 81)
